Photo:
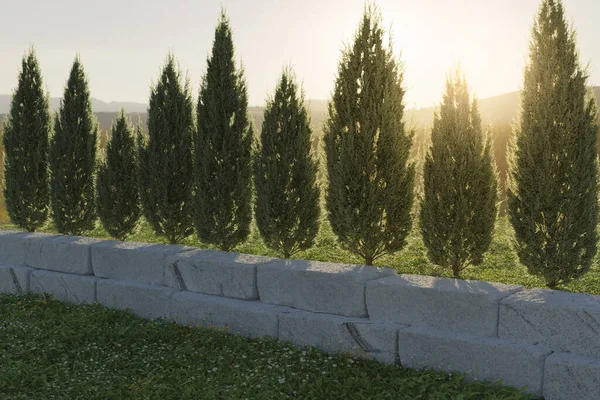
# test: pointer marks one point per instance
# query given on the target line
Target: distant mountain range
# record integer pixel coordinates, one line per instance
(97, 105)
(502, 109)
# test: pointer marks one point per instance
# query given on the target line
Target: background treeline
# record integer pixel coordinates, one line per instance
(499, 113)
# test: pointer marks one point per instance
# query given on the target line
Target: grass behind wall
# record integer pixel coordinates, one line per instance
(501, 264)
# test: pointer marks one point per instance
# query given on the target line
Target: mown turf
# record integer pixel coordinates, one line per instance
(53, 350)
(500, 265)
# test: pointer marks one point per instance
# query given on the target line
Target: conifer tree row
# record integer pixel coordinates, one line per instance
(223, 148)
(27, 130)
(72, 157)
(118, 199)
(370, 192)
(553, 182)
(166, 158)
(458, 209)
(203, 178)
(287, 196)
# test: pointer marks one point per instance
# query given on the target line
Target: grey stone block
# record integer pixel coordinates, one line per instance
(214, 272)
(563, 321)
(146, 301)
(68, 254)
(70, 288)
(480, 358)
(452, 305)
(132, 262)
(12, 247)
(571, 376)
(333, 333)
(318, 286)
(248, 318)
(14, 279)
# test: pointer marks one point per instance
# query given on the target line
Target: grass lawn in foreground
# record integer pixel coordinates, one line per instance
(49, 349)
(501, 264)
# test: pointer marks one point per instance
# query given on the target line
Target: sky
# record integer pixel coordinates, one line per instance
(123, 43)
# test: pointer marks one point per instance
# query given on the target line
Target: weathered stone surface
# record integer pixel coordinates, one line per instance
(132, 262)
(571, 376)
(147, 301)
(562, 321)
(14, 279)
(248, 318)
(12, 247)
(317, 286)
(214, 272)
(452, 305)
(74, 289)
(334, 333)
(69, 254)
(480, 358)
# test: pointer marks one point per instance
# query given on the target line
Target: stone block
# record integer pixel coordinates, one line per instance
(248, 318)
(565, 322)
(214, 272)
(317, 286)
(146, 301)
(333, 333)
(480, 358)
(12, 248)
(70, 288)
(14, 279)
(68, 254)
(132, 262)
(452, 305)
(571, 376)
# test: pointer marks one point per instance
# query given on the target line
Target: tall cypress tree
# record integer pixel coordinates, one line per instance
(370, 192)
(223, 149)
(165, 159)
(553, 183)
(118, 198)
(285, 173)
(72, 157)
(26, 133)
(458, 208)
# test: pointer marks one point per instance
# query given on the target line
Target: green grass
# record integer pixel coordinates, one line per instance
(49, 349)
(500, 265)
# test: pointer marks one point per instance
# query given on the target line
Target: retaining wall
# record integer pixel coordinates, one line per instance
(546, 341)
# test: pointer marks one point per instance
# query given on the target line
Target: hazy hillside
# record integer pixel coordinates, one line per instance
(97, 105)
(501, 109)
(107, 112)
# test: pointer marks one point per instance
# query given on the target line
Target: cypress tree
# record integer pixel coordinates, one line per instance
(72, 157)
(553, 182)
(223, 149)
(458, 208)
(370, 192)
(165, 159)
(118, 198)
(26, 134)
(285, 173)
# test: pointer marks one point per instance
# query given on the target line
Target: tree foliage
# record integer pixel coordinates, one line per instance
(458, 208)
(118, 199)
(553, 187)
(72, 157)
(166, 157)
(27, 130)
(287, 196)
(370, 192)
(223, 149)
